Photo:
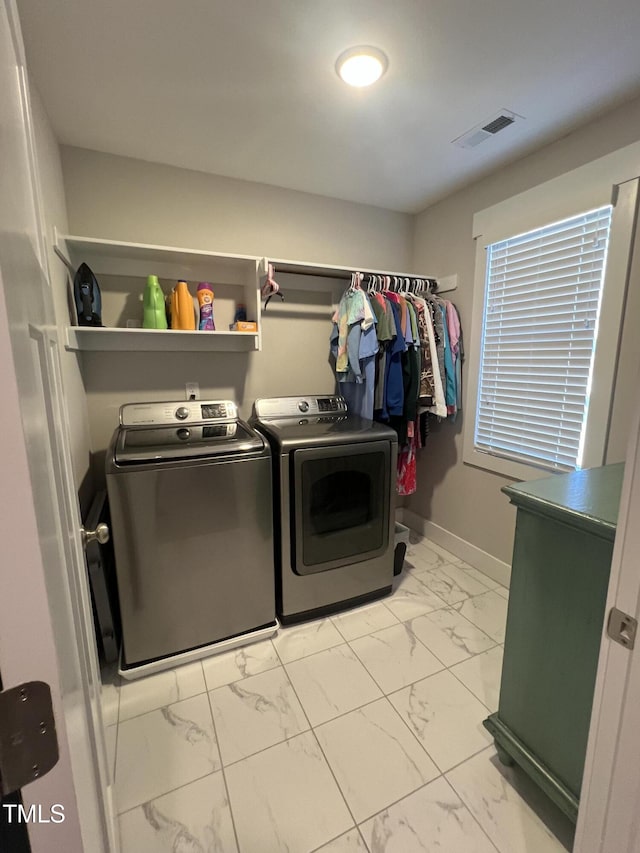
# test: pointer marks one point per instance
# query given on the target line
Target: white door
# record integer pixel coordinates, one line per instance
(46, 631)
(609, 818)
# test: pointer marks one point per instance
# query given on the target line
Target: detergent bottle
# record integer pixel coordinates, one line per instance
(205, 301)
(154, 315)
(182, 313)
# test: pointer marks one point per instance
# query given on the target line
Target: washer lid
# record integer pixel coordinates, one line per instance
(191, 441)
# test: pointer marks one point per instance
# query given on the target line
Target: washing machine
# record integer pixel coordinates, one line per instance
(334, 502)
(190, 496)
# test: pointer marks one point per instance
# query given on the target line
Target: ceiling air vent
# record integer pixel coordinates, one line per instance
(498, 123)
(482, 132)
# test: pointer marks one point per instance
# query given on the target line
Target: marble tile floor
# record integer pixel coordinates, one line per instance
(359, 733)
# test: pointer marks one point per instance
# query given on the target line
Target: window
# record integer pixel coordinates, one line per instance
(540, 322)
(515, 443)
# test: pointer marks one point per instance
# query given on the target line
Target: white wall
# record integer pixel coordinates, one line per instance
(464, 500)
(55, 213)
(124, 199)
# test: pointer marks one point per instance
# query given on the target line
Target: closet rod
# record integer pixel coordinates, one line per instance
(338, 276)
(346, 276)
(282, 267)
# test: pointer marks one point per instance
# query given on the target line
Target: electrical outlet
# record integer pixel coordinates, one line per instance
(192, 390)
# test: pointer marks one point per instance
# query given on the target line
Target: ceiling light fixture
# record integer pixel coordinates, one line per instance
(361, 66)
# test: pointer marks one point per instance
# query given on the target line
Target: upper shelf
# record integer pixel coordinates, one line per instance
(138, 260)
(110, 257)
(95, 339)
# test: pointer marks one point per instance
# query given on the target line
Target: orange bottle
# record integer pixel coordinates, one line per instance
(182, 313)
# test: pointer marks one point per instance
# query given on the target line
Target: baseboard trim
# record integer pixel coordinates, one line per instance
(497, 570)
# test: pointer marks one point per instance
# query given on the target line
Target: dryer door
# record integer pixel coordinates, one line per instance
(340, 502)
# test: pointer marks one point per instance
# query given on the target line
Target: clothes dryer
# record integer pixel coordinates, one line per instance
(334, 503)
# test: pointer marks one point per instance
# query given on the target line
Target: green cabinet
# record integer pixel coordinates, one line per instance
(565, 527)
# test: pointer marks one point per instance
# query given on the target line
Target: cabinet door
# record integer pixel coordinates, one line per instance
(558, 591)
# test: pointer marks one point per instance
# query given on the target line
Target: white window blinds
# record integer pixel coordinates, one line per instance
(540, 324)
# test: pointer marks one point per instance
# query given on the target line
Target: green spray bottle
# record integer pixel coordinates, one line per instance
(155, 316)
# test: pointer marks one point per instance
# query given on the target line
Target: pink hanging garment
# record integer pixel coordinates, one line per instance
(406, 483)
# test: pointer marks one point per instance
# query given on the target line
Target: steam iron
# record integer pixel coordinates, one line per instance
(87, 297)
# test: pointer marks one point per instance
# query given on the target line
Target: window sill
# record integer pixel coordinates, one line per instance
(506, 467)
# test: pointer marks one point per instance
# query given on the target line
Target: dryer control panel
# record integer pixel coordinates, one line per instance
(293, 407)
(178, 412)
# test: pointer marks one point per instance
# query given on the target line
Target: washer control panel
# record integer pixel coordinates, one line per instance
(293, 407)
(178, 412)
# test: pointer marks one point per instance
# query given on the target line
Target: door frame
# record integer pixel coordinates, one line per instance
(27, 641)
(40, 641)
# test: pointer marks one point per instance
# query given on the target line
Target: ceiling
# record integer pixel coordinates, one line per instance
(248, 88)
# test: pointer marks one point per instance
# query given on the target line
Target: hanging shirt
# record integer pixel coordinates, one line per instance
(369, 317)
(414, 321)
(394, 382)
(453, 327)
(411, 379)
(438, 328)
(450, 376)
(454, 332)
(439, 406)
(359, 394)
(353, 372)
(366, 323)
(357, 383)
(350, 310)
(427, 389)
(384, 327)
(417, 348)
(405, 320)
(459, 360)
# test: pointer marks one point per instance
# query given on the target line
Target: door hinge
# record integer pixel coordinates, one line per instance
(28, 740)
(622, 628)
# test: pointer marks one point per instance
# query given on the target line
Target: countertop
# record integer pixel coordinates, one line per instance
(588, 499)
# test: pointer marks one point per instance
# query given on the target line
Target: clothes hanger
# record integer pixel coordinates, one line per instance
(271, 287)
(356, 278)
